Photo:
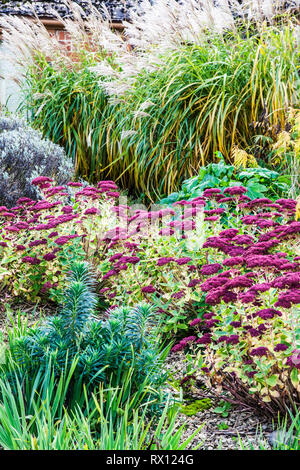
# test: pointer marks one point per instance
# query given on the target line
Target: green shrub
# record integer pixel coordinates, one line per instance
(260, 182)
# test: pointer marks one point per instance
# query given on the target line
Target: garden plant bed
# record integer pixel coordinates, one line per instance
(150, 228)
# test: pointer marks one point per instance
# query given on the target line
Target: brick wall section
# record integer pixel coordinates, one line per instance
(9, 88)
(55, 27)
(62, 36)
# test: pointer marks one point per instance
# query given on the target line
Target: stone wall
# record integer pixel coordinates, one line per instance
(119, 10)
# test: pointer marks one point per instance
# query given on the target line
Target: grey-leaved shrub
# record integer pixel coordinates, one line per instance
(24, 155)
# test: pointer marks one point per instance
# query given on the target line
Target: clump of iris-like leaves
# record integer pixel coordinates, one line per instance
(101, 349)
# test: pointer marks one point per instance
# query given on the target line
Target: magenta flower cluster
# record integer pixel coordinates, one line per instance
(40, 230)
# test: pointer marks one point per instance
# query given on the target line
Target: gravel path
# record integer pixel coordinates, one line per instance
(26, 312)
(241, 428)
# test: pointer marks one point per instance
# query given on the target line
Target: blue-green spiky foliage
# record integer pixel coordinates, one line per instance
(103, 349)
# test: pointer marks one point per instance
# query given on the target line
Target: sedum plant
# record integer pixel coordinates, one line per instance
(248, 337)
(24, 155)
(234, 280)
(168, 253)
(38, 238)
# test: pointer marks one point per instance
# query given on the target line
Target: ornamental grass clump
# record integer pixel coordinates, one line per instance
(74, 115)
(116, 420)
(204, 97)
